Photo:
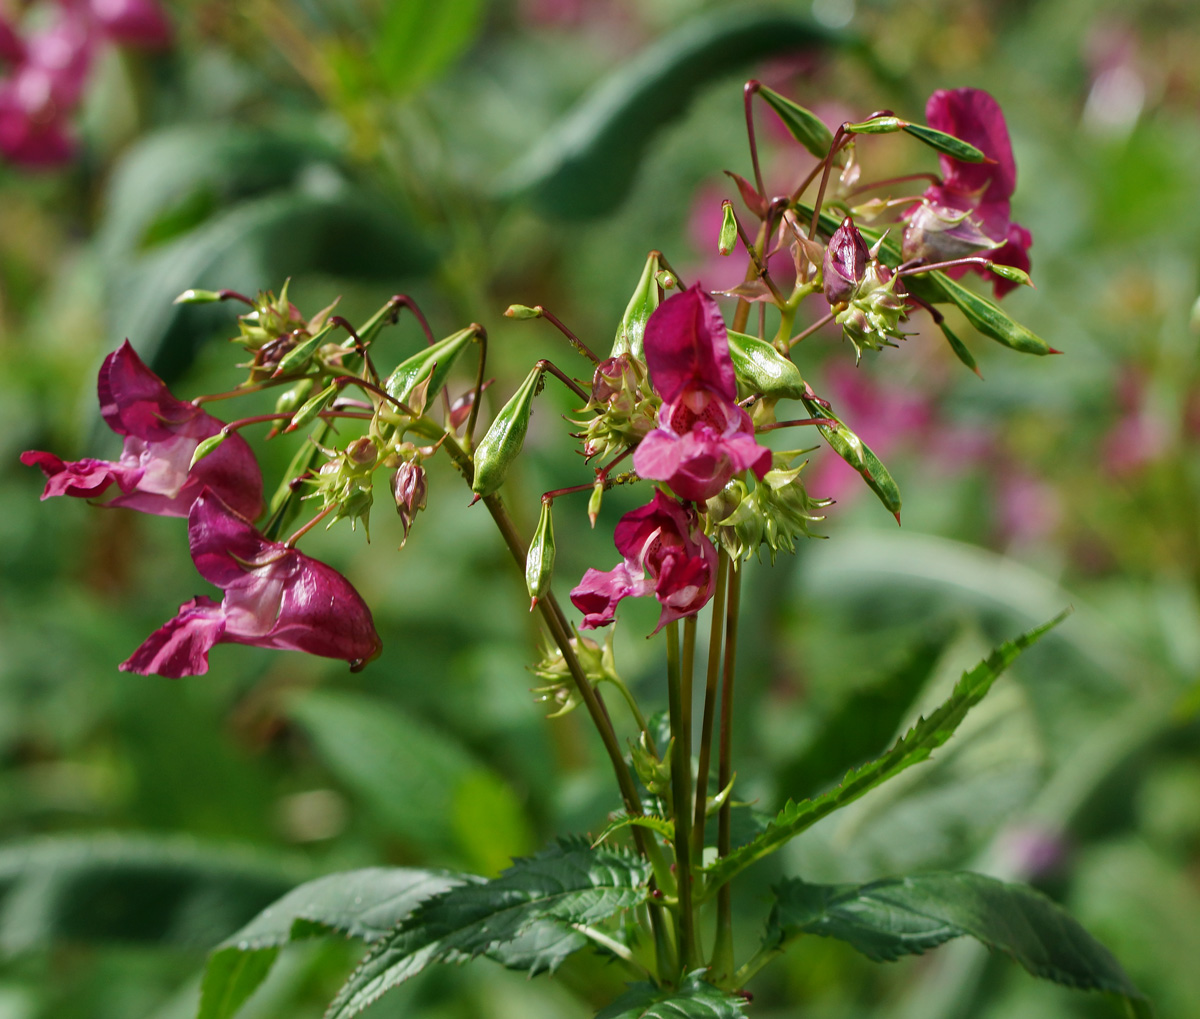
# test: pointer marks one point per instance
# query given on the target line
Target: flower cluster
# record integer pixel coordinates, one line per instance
(969, 211)
(275, 597)
(49, 67)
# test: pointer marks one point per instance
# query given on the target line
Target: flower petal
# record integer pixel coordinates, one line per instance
(686, 342)
(974, 116)
(180, 646)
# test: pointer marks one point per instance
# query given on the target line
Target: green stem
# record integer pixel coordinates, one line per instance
(681, 800)
(722, 960)
(710, 705)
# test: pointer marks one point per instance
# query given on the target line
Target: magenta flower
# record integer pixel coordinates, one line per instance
(141, 23)
(666, 555)
(703, 437)
(275, 597)
(969, 211)
(161, 434)
(846, 260)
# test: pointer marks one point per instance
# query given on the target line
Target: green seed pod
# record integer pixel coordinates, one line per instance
(858, 455)
(290, 400)
(539, 560)
(197, 297)
(207, 446)
(594, 500)
(760, 368)
(298, 357)
(728, 238)
(313, 407)
(641, 306)
(432, 364)
(504, 439)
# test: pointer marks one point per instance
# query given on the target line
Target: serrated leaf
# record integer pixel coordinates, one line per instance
(660, 825)
(363, 904)
(118, 889)
(956, 148)
(915, 746)
(858, 455)
(803, 125)
(568, 883)
(910, 915)
(694, 999)
(584, 165)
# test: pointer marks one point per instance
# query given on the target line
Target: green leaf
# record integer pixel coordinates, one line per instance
(910, 915)
(760, 368)
(416, 42)
(585, 164)
(959, 348)
(858, 455)
(804, 125)
(694, 999)
(956, 148)
(419, 782)
(660, 825)
(117, 889)
(364, 904)
(916, 745)
(526, 911)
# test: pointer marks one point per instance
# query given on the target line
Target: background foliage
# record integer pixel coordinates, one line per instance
(365, 148)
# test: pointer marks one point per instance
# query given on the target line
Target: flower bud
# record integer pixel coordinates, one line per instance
(938, 233)
(431, 365)
(504, 439)
(362, 451)
(846, 260)
(594, 500)
(409, 490)
(522, 311)
(312, 408)
(539, 560)
(290, 400)
(641, 305)
(728, 238)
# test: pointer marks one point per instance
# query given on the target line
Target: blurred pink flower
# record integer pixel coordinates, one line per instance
(275, 597)
(1139, 436)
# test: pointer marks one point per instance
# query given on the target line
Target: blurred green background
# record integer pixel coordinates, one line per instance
(363, 148)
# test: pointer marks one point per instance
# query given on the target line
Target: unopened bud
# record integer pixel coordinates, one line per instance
(291, 399)
(666, 279)
(207, 446)
(846, 261)
(595, 499)
(362, 451)
(539, 560)
(504, 439)
(409, 490)
(522, 311)
(728, 236)
(198, 297)
(1011, 272)
(431, 365)
(312, 408)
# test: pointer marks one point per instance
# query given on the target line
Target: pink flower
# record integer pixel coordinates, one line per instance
(161, 434)
(969, 211)
(666, 555)
(846, 260)
(131, 22)
(703, 437)
(275, 597)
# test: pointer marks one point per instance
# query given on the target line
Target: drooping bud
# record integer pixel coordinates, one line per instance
(539, 560)
(207, 446)
(594, 500)
(431, 365)
(504, 439)
(522, 311)
(846, 260)
(409, 489)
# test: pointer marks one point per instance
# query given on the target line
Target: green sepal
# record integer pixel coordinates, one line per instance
(909, 915)
(925, 736)
(312, 407)
(193, 296)
(504, 439)
(632, 330)
(433, 363)
(206, 446)
(803, 125)
(953, 147)
(299, 356)
(539, 560)
(760, 368)
(858, 455)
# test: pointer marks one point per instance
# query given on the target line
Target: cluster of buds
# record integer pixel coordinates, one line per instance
(867, 298)
(48, 69)
(622, 408)
(558, 689)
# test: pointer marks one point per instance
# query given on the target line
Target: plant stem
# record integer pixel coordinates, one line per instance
(722, 959)
(681, 800)
(710, 705)
(473, 415)
(743, 307)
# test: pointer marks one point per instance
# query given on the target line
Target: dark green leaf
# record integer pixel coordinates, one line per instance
(760, 368)
(694, 999)
(858, 455)
(959, 348)
(101, 889)
(417, 41)
(804, 125)
(916, 745)
(909, 915)
(956, 148)
(522, 917)
(586, 163)
(364, 904)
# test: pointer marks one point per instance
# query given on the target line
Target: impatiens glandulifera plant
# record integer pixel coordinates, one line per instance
(682, 404)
